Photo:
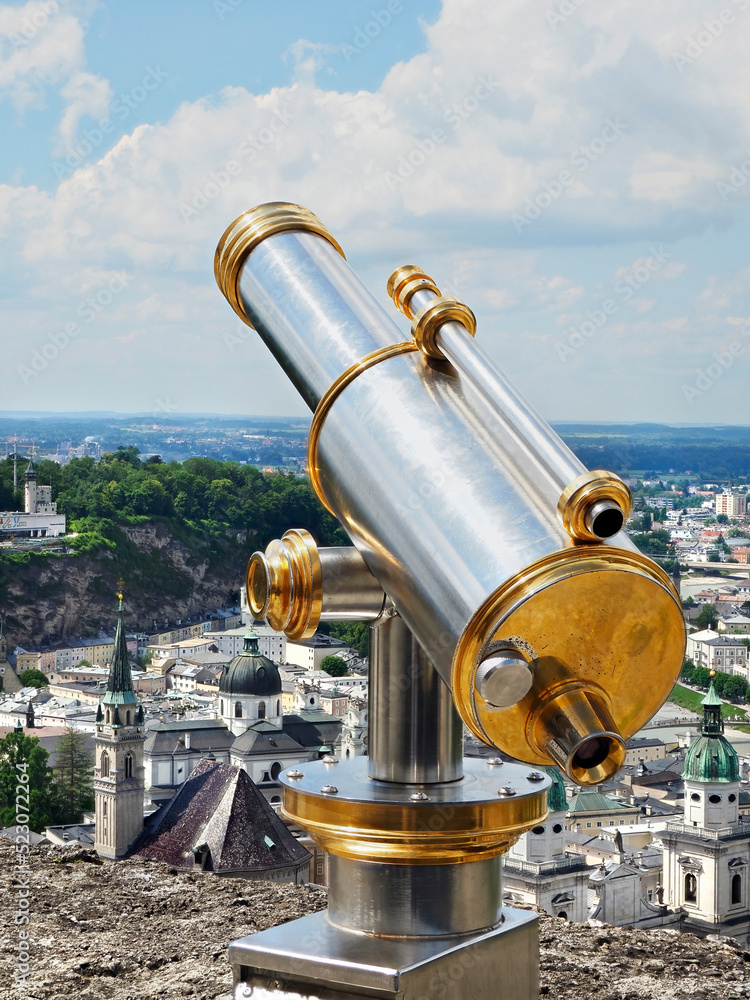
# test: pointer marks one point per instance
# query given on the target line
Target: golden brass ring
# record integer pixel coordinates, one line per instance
(356, 819)
(585, 491)
(332, 393)
(428, 321)
(404, 282)
(251, 228)
(285, 584)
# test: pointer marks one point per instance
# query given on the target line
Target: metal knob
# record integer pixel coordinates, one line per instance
(503, 678)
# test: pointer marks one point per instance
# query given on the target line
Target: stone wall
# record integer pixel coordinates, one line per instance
(134, 929)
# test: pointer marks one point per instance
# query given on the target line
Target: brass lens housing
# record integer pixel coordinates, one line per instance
(604, 631)
(285, 584)
(589, 506)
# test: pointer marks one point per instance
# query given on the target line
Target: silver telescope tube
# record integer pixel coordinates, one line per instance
(457, 519)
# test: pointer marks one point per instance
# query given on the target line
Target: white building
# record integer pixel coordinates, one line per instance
(270, 643)
(309, 653)
(40, 518)
(537, 869)
(707, 855)
(717, 652)
(731, 504)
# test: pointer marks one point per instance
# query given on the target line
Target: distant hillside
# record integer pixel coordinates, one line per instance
(179, 535)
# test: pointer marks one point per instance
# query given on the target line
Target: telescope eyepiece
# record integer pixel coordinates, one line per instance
(604, 519)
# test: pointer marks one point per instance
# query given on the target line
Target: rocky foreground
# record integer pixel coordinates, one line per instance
(137, 930)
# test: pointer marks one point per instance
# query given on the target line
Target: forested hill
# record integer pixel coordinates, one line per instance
(179, 535)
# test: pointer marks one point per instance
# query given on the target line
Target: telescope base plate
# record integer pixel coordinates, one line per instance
(310, 958)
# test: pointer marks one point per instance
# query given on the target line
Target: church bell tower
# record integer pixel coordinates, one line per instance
(119, 772)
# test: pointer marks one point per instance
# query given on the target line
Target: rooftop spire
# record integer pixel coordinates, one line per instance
(713, 724)
(120, 681)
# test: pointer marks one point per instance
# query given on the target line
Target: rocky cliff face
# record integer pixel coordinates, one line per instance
(135, 929)
(164, 578)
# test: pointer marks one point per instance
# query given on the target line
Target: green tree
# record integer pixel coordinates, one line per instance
(23, 757)
(708, 616)
(354, 634)
(74, 782)
(33, 678)
(736, 688)
(334, 666)
(722, 519)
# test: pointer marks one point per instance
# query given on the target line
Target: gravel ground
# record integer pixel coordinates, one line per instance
(136, 930)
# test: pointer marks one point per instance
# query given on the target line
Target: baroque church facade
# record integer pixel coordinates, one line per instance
(706, 856)
(251, 733)
(537, 869)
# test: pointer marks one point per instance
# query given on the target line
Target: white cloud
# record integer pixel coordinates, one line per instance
(430, 165)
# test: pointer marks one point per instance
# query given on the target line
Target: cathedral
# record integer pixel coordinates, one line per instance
(707, 854)
(538, 870)
(251, 731)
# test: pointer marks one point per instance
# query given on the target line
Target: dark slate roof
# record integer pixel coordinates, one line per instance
(50, 745)
(205, 734)
(220, 807)
(266, 740)
(313, 728)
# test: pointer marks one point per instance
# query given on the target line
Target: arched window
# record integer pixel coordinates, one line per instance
(261, 710)
(278, 708)
(104, 809)
(127, 718)
(108, 716)
(104, 767)
(238, 710)
(563, 915)
(222, 706)
(275, 770)
(129, 765)
(736, 888)
(691, 888)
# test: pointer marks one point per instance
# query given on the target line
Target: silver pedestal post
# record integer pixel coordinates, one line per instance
(412, 931)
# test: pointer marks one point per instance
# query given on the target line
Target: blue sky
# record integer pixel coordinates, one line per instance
(584, 190)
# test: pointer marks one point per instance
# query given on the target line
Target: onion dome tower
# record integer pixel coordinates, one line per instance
(712, 772)
(119, 771)
(250, 689)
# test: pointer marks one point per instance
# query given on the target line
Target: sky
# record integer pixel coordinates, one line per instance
(577, 172)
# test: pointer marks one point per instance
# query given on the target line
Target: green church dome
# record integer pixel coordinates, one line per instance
(557, 799)
(251, 673)
(711, 757)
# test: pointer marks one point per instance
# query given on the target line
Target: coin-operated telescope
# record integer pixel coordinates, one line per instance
(503, 595)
